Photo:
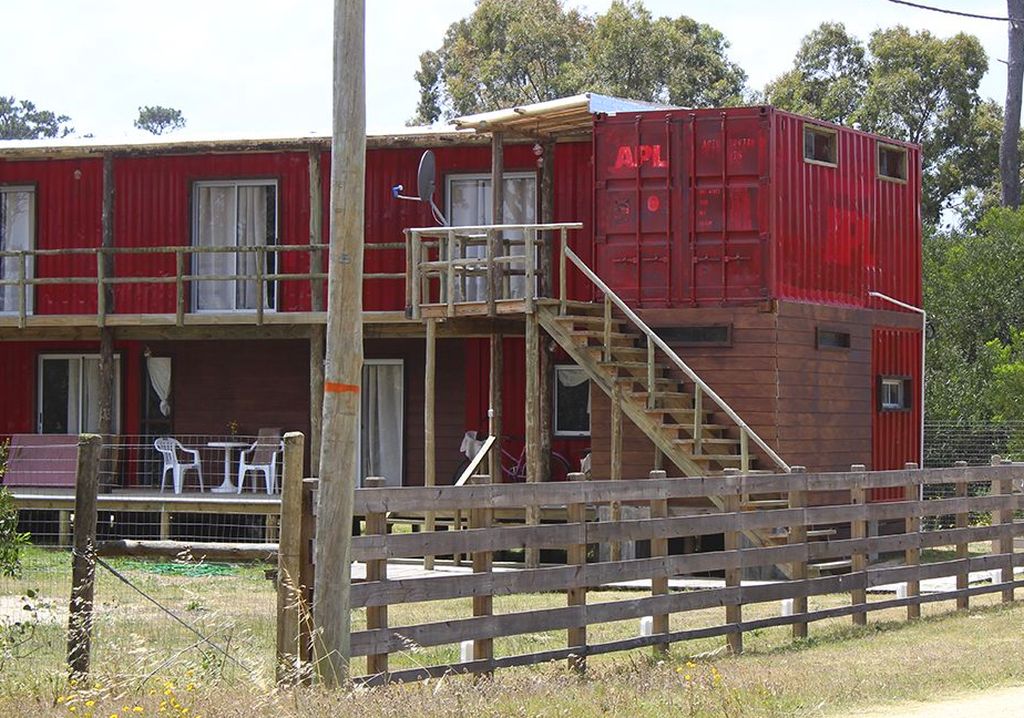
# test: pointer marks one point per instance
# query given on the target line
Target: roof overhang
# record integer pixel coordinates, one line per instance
(565, 117)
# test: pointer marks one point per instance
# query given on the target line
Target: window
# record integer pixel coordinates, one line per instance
(469, 204)
(718, 335)
(892, 162)
(894, 393)
(820, 145)
(830, 339)
(572, 401)
(239, 214)
(381, 426)
(17, 233)
(69, 390)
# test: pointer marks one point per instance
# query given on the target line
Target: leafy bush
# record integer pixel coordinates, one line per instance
(11, 541)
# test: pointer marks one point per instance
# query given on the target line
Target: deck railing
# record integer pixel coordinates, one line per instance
(701, 390)
(479, 264)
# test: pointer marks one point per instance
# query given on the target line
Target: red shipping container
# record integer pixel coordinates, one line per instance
(734, 206)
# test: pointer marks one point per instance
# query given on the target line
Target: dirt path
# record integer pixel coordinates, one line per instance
(997, 703)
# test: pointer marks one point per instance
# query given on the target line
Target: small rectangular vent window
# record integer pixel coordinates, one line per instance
(892, 162)
(829, 339)
(719, 335)
(894, 393)
(820, 145)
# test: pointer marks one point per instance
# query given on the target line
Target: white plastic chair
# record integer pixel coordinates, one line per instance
(170, 449)
(262, 457)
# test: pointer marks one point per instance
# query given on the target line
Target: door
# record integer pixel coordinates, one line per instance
(68, 395)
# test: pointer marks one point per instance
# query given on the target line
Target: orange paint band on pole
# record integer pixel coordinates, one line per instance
(336, 387)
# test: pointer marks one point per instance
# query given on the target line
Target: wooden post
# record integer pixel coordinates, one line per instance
(495, 247)
(659, 584)
(165, 523)
(83, 555)
(607, 327)
(316, 236)
(104, 263)
(858, 559)
(912, 556)
(179, 287)
(290, 605)
(1004, 545)
(63, 528)
(344, 363)
(576, 637)
(962, 547)
(316, 395)
(429, 426)
(547, 216)
(797, 536)
(563, 289)
(494, 412)
(698, 420)
(307, 574)
(481, 518)
(532, 426)
(376, 570)
(733, 576)
(547, 386)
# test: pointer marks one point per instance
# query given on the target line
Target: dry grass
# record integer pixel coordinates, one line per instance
(838, 669)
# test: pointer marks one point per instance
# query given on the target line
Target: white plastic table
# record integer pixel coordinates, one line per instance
(228, 446)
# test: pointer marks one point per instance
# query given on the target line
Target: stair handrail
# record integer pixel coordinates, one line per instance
(745, 429)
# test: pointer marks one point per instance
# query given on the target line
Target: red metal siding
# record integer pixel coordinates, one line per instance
(69, 197)
(574, 202)
(719, 206)
(895, 435)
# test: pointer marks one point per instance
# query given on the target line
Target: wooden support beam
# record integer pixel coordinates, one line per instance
(430, 425)
(532, 403)
(495, 399)
(615, 507)
(659, 584)
(912, 555)
(316, 395)
(83, 555)
(547, 387)
(859, 559)
(494, 239)
(316, 286)
(105, 269)
(291, 606)
(547, 216)
(576, 638)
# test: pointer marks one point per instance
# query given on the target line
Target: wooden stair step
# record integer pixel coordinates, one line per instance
(821, 533)
(716, 430)
(628, 365)
(588, 319)
(764, 504)
(718, 441)
(816, 569)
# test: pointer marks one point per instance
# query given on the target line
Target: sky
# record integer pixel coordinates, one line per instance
(263, 67)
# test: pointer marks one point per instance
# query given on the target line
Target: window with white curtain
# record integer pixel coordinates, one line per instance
(382, 420)
(69, 393)
(469, 205)
(233, 214)
(17, 233)
(572, 401)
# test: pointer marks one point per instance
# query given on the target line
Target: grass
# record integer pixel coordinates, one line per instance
(137, 669)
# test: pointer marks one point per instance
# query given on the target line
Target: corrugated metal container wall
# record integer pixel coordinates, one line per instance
(19, 385)
(69, 196)
(574, 198)
(841, 229)
(153, 208)
(895, 434)
(705, 207)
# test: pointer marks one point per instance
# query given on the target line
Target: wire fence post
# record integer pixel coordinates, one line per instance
(290, 605)
(83, 554)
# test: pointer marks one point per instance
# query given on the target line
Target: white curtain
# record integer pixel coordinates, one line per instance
(252, 231)
(216, 228)
(470, 205)
(17, 209)
(159, 370)
(74, 395)
(382, 430)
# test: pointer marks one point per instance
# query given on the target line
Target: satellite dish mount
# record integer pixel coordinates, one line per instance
(426, 183)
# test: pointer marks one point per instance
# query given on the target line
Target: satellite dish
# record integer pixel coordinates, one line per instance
(426, 177)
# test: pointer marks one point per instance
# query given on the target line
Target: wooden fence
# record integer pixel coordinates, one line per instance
(797, 553)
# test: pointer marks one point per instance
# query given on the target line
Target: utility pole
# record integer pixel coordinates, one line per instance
(1009, 155)
(343, 367)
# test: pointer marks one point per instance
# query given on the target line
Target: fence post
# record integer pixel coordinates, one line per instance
(912, 556)
(733, 576)
(307, 574)
(659, 583)
(858, 558)
(376, 570)
(798, 535)
(83, 554)
(480, 518)
(962, 547)
(1004, 517)
(290, 607)
(576, 555)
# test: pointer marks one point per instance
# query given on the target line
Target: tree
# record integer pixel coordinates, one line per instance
(1009, 147)
(20, 120)
(911, 86)
(157, 119)
(512, 52)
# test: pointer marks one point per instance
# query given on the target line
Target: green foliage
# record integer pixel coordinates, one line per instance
(511, 52)
(20, 120)
(911, 86)
(11, 541)
(975, 302)
(157, 119)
